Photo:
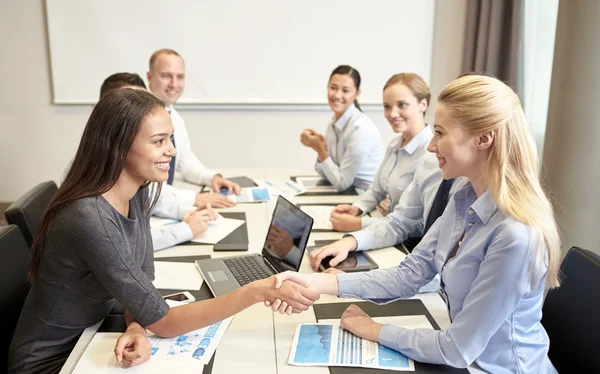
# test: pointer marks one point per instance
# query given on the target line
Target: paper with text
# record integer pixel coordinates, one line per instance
(185, 353)
(327, 344)
(321, 214)
(219, 229)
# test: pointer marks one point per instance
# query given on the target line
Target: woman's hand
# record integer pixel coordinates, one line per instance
(345, 222)
(312, 139)
(133, 348)
(360, 323)
(339, 250)
(384, 206)
(320, 283)
(348, 209)
(290, 297)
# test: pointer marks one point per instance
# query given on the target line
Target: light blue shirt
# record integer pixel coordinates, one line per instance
(395, 173)
(409, 215)
(355, 151)
(494, 295)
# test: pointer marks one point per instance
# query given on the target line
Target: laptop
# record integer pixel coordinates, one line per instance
(283, 250)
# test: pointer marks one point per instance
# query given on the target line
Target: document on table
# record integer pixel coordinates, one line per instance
(327, 344)
(187, 352)
(254, 195)
(176, 276)
(321, 215)
(219, 229)
(286, 188)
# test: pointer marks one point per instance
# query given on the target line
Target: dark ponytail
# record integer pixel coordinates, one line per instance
(353, 73)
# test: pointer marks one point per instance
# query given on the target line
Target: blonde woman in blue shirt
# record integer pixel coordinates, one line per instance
(405, 101)
(496, 247)
(351, 151)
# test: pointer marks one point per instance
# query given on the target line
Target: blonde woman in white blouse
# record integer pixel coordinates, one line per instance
(405, 101)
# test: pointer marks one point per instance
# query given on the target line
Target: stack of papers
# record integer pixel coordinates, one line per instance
(327, 344)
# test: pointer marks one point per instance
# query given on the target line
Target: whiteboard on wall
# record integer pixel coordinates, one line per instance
(239, 51)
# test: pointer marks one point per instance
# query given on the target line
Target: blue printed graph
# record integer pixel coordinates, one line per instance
(390, 358)
(314, 344)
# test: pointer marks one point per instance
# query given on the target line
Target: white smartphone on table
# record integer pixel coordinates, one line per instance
(182, 297)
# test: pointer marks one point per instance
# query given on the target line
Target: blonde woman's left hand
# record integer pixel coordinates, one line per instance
(360, 323)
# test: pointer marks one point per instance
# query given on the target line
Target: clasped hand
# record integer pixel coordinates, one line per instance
(133, 348)
(313, 139)
(353, 319)
(290, 297)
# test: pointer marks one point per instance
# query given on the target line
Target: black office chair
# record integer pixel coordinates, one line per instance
(27, 211)
(13, 284)
(571, 315)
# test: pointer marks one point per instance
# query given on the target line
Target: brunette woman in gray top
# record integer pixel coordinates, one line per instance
(94, 246)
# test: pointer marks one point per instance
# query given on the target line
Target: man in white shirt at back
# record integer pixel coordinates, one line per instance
(166, 79)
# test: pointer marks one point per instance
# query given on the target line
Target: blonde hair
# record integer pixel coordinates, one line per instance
(414, 83)
(482, 104)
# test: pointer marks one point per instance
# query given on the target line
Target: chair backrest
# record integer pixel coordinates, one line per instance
(27, 211)
(13, 284)
(571, 314)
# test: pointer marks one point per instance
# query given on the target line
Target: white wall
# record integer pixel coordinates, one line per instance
(38, 139)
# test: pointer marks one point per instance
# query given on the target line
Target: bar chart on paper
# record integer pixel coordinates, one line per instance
(324, 344)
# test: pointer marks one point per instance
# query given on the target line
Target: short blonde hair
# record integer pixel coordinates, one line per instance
(482, 104)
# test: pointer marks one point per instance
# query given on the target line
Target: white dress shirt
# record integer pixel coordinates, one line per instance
(173, 203)
(186, 162)
(355, 151)
(395, 173)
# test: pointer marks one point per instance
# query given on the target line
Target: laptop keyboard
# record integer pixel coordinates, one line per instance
(247, 269)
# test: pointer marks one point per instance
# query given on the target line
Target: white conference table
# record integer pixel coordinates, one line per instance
(258, 340)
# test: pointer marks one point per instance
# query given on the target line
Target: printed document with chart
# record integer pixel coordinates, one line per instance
(327, 344)
(184, 353)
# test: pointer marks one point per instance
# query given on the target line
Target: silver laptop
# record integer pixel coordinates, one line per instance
(283, 250)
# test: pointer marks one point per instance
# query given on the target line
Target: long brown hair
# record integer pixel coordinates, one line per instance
(99, 161)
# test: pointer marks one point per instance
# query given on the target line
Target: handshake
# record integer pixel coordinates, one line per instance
(290, 292)
(294, 293)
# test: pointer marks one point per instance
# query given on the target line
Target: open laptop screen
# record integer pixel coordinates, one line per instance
(287, 236)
